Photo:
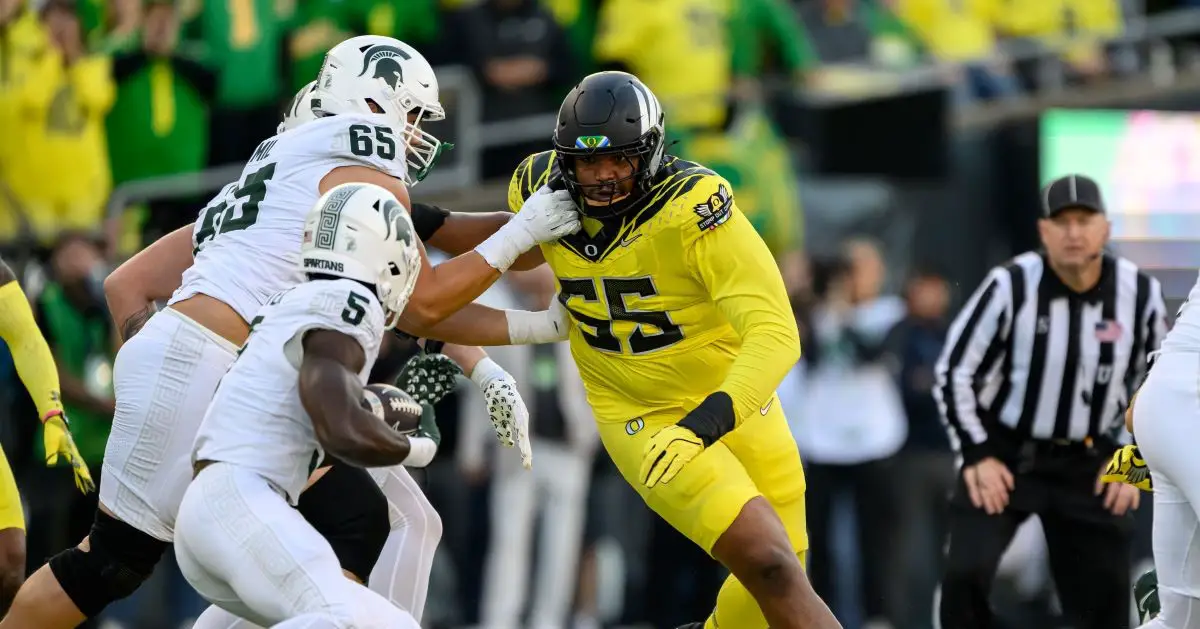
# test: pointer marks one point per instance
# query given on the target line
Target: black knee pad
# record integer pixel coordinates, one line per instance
(120, 558)
(348, 509)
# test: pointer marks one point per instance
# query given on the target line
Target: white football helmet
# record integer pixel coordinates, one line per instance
(360, 231)
(300, 109)
(371, 70)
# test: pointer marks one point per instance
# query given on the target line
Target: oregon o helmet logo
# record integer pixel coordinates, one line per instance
(591, 141)
(634, 426)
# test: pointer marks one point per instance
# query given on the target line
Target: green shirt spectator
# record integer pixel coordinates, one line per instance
(322, 24)
(160, 120)
(244, 38)
(761, 25)
(110, 26)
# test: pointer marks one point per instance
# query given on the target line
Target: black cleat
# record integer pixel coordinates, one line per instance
(691, 625)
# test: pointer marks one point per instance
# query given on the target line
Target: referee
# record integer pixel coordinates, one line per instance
(1034, 376)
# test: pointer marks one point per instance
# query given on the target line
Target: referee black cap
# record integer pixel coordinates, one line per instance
(1072, 192)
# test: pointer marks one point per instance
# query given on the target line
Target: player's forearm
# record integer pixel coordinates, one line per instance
(465, 356)
(461, 232)
(448, 287)
(474, 324)
(151, 275)
(769, 351)
(480, 325)
(34, 362)
(330, 395)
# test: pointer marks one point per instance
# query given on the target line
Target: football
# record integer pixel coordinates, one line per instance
(393, 406)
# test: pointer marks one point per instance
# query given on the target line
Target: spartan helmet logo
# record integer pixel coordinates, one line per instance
(386, 61)
(397, 227)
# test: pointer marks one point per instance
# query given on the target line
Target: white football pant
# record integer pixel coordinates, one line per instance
(401, 574)
(163, 379)
(1167, 428)
(244, 548)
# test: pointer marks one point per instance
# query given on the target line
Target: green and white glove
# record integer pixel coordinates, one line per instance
(429, 377)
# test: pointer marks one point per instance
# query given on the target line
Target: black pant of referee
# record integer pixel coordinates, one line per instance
(1088, 546)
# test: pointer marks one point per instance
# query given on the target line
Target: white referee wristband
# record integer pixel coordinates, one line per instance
(421, 451)
(485, 371)
(502, 248)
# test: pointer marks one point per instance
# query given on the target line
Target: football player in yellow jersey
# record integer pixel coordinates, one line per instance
(35, 365)
(682, 331)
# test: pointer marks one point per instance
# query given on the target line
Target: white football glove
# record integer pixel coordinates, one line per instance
(547, 215)
(509, 416)
(534, 328)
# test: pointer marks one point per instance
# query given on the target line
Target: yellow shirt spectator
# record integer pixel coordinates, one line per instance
(24, 42)
(679, 48)
(952, 30)
(62, 178)
(1057, 20)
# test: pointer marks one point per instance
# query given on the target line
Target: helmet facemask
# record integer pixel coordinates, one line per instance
(422, 148)
(642, 158)
(403, 265)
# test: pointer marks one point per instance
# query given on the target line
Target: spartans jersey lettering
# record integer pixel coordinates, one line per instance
(644, 314)
(256, 419)
(247, 240)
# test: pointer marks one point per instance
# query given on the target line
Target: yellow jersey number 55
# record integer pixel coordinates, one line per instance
(653, 329)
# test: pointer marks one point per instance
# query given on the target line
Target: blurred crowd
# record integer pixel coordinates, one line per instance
(95, 94)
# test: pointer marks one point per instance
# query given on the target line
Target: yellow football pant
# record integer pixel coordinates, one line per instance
(759, 458)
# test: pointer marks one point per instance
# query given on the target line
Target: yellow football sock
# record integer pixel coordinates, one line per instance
(736, 607)
(35, 363)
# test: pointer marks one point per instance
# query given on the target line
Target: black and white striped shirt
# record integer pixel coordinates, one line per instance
(1028, 353)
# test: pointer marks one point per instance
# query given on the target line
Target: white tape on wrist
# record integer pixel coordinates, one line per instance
(531, 328)
(485, 371)
(502, 248)
(421, 451)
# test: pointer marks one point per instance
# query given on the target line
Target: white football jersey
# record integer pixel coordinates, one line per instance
(246, 243)
(1185, 334)
(256, 419)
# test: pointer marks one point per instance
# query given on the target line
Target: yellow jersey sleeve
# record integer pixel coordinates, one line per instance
(731, 260)
(35, 363)
(531, 174)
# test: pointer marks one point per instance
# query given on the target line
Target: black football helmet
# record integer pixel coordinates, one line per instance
(610, 113)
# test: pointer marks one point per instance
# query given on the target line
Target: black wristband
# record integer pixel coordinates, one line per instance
(427, 219)
(712, 418)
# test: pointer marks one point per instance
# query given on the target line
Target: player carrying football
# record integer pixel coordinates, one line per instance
(372, 96)
(682, 331)
(35, 365)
